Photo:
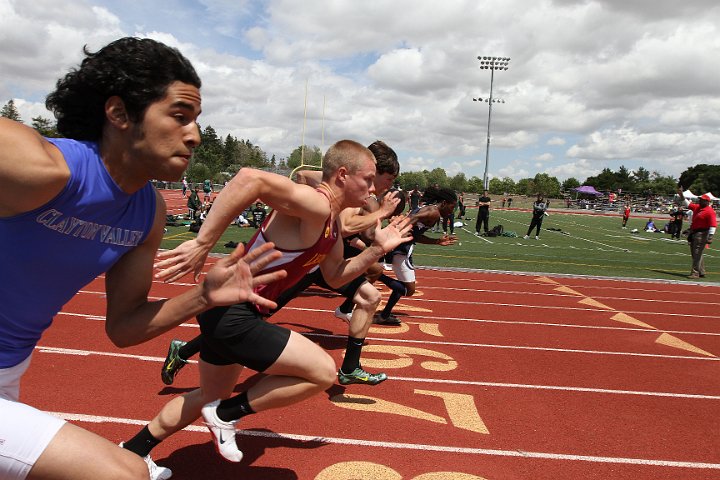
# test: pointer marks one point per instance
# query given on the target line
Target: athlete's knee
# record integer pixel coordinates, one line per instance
(325, 373)
(367, 297)
(137, 470)
(410, 289)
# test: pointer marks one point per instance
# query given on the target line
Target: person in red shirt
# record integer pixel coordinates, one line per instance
(702, 230)
(626, 215)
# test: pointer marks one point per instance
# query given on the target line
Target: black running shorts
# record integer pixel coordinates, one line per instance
(239, 334)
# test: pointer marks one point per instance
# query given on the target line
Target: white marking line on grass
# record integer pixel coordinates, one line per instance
(412, 446)
(697, 396)
(471, 233)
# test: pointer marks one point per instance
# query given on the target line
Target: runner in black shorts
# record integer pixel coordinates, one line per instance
(359, 294)
(303, 226)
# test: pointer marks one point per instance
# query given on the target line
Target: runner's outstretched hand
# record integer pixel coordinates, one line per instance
(232, 279)
(397, 232)
(185, 258)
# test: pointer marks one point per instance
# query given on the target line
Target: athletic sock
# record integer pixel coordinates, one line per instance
(234, 408)
(142, 443)
(398, 291)
(190, 348)
(347, 305)
(386, 280)
(352, 354)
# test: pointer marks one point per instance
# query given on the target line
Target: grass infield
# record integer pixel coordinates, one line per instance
(570, 243)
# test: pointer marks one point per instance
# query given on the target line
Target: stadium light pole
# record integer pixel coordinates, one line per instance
(492, 64)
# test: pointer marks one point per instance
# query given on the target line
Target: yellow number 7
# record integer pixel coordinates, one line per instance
(459, 406)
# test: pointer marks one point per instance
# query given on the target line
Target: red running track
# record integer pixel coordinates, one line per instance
(495, 376)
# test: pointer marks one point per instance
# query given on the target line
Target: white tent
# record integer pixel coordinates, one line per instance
(689, 194)
(712, 197)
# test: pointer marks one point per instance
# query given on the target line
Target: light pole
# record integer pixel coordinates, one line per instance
(492, 64)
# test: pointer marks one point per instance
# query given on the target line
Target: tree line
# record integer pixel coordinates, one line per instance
(218, 159)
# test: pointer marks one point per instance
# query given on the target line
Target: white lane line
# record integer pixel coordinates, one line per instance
(521, 347)
(678, 301)
(522, 305)
(465, 319)
(694, 396)
(413, 446)
(84, 353)
(479, 345)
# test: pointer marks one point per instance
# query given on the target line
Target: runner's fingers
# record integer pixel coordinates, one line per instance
(267, 278)
(257, 252)
(261, 301)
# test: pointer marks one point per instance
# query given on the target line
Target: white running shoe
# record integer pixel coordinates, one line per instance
(223, 433)
(537, 238)
(343, 315)
(525, 237)
(156, 472)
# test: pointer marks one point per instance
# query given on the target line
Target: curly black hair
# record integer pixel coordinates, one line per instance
(138, 70)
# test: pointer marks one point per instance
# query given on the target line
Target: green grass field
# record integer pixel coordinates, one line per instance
(582, 244)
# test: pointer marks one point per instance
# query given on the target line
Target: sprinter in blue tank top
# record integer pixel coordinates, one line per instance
(84, 206)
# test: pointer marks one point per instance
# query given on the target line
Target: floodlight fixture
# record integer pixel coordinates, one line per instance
(492, 64)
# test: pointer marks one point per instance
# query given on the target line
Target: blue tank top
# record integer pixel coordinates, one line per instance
(50, 253)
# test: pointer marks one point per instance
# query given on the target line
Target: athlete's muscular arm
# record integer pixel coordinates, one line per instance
(358, 220)
(429, 215)
(32, 170)
(132, 319)
(354, 220)
(338, 271)
(280, 193)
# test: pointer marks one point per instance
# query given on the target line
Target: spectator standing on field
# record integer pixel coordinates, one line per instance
(626, 215)
(194, 203)
(538, 214)
(483, 213)
(677, 221)
(415, 195)
(207, 189)
(702, 230)
(258, 215)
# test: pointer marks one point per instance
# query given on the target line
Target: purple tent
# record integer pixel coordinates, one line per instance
(588, 190)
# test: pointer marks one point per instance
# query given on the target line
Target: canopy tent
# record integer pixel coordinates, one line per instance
(690, 195)
(588, 190)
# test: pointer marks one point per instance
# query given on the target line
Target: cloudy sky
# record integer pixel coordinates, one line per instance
(591, 84)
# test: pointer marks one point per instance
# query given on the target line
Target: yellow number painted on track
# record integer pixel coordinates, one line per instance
(461, 410)
(371, 404)
(460, 407)
(375, 471)
(432, 329)
(405, 358)
(448, 476)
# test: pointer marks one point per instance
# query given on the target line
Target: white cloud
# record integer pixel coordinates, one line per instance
(545, 157)
(609, 82)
